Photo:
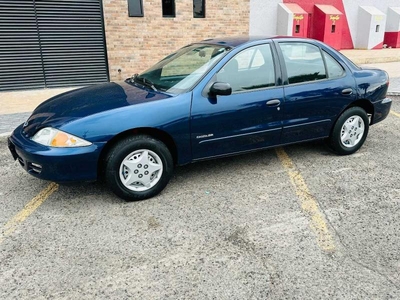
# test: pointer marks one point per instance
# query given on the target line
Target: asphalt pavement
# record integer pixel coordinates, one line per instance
(292, 223)
(8, 122)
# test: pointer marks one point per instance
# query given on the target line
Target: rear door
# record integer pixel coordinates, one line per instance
(317, 88)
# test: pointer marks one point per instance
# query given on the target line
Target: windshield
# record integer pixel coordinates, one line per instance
(180, 71)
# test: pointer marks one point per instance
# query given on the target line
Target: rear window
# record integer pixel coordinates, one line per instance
(303, 62)
(335, 70)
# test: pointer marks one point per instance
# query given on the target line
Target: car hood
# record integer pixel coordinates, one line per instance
(84, 102)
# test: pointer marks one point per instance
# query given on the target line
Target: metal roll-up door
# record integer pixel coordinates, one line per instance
(51, 43)
(72, 42)
(20, 59)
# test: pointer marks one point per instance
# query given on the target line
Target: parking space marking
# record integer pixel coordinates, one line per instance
(29, 208)
(395, 113)
(309, 205)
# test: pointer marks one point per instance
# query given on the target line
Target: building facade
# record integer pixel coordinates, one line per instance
(53, 43)
(263, 16)
(135, 43)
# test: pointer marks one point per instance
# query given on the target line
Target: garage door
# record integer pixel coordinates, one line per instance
(51, 43)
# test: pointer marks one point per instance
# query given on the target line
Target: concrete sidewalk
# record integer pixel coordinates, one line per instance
(15, 107)
(26, 101)
(362, 57)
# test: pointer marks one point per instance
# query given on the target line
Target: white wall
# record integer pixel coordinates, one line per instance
(368, 18)
(351, 8)
(285, 21)
(263, 16)
(393, 19)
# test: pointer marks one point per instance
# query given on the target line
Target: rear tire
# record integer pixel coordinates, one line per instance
(350, 131)
(138, 167)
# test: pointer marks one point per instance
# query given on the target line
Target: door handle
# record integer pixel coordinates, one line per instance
(274, 102)
(348, 91)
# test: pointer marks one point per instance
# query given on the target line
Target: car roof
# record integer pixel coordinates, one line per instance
(235, 41)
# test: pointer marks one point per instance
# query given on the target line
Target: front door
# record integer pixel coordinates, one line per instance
(249, 118)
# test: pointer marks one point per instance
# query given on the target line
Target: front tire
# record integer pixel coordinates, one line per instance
(138, 167)
(350, 131)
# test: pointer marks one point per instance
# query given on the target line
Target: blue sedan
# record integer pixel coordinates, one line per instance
(209, 99)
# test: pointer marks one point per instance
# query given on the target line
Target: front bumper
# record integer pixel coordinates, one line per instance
(55, 164)
(381, 110)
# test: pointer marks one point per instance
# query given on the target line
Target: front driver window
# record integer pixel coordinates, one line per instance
(253, 68)
(179, 72)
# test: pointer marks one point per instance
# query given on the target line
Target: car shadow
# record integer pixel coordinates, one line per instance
(195, 172)
(231, 164)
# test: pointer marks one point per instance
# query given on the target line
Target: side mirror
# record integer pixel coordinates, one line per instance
(220, 89)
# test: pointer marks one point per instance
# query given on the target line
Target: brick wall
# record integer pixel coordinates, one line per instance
(134, 44)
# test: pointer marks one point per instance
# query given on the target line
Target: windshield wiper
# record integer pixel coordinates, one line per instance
(144, 81)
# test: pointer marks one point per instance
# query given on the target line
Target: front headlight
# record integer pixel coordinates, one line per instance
(56, 138)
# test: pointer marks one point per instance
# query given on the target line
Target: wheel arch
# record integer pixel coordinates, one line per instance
(365, 105)
(153, 132)
(335, 141)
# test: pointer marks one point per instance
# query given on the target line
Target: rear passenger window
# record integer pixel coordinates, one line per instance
(335, 70)
(251, 69)
(303, 62)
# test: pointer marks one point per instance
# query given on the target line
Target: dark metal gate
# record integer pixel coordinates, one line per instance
(51, 43)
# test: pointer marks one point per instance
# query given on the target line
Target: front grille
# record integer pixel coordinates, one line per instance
(15, 154)
(21, 161)
(31, 167)
(34, 168)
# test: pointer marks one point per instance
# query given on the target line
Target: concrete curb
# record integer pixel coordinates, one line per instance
(363, 56)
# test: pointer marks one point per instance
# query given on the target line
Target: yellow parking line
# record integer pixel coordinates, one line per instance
(308, 203)
(29, 208)
(395, 113)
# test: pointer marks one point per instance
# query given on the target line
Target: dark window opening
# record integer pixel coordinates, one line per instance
(135, 8)
(168, 8)
(333, 28)
(377, 28)
(297, 30)
(199, 8)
